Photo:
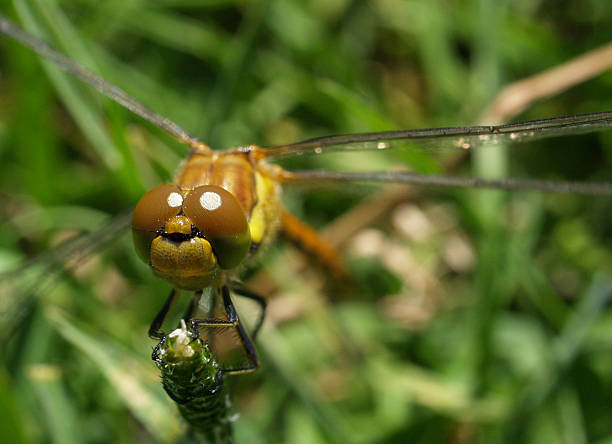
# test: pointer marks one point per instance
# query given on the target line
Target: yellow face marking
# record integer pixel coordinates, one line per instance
(189, 265)
(178, 224)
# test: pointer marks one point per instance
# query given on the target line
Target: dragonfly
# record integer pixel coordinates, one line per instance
(224, 207)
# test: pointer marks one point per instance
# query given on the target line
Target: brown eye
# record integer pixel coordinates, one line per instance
(151, 213)
(220, 218)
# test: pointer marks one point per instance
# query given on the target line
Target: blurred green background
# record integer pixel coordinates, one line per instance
(475, 317)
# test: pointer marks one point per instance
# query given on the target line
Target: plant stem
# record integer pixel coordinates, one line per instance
(191, 377)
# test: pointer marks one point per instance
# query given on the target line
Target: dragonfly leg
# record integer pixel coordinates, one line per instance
(241, 291)
(158, 347)
(154, 329)
(232, 322)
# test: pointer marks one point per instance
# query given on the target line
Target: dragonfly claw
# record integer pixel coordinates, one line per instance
(156, 351)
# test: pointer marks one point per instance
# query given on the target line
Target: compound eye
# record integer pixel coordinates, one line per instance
(150, 215)
(220, 218)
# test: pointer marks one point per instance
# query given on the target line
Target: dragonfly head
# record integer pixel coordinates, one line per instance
(190, 237)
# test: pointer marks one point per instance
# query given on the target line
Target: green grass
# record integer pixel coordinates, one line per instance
(501, 330)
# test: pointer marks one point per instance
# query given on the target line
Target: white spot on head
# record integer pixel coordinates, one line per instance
(175, 200)
(210, 201)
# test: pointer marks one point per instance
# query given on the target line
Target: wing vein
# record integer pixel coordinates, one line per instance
(87, 76)
(407, 177)
(454, 137)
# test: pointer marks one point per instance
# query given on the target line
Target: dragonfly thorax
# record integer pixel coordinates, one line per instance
(190, 237)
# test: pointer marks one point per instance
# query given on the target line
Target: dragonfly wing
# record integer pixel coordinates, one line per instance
(459, 138)
(106, 88)
(407, 177)
(21, 285)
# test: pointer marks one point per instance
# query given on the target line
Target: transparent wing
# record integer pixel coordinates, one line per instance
(407, 177)
(459, 138)
(111, 91)
(21, 285)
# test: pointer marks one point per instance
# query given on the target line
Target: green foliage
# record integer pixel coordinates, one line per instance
(501, 331)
